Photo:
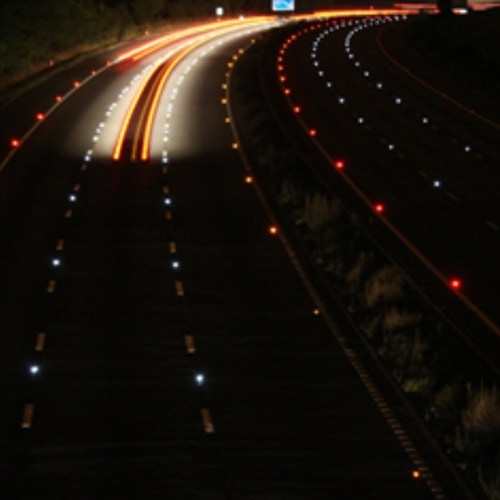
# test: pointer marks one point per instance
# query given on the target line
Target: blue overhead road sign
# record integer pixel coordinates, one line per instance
(283, 5)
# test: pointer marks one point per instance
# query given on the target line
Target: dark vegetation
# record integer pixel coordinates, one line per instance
(35, 34)
(452, 390)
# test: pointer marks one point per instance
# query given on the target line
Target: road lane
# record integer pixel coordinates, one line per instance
(396, 159)
(120, 408)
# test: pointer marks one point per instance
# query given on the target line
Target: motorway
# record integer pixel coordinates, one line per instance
(157, 342)
(425, 160)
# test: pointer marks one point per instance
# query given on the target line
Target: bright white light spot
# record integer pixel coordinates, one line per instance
(56, 262)
(467, 149)
(72, 197)
(390, 147)
(437, 183)
(341, 100)
(200, 379)
(34, 369)
(379, 85)
(361, 120)
(167, 201)
(175, 264)
(398, 100)
(425, 120)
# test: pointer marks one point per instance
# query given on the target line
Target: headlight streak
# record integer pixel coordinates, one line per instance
(154, 89)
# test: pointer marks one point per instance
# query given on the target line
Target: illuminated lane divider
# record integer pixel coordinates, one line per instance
(146, 140)
(485, 319)
(428, 86)
(168, 71)
(152, 105)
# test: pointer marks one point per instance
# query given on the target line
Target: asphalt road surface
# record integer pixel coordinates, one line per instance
(156, 340)
(428, 160)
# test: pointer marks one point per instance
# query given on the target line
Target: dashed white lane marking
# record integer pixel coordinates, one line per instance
(27, 417)
(190, 345)
(77, 187)
(68, 214)
(51, 286)
(166, 190)
(60, 244)
(172, 246)
(179, 288)
(452, 196)
(40, 341)
(207, 421)
(168, 215)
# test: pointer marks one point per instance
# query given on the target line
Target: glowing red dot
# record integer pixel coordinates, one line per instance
(313, 132)
(15, 143)
(297, 109)
(76, 84)
(456, 283)
(93, 72)
(40, 116)
(379, 208)
(287, 91)
(282, 78)
(339, 164)
(58, 98)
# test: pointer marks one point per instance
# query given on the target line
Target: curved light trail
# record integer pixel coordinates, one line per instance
(139, 118)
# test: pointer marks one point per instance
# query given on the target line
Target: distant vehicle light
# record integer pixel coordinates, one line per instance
(339, 164)
(361, 120)
(248, 179)
(437, 183)
(200, 379)
(456, 284)
(398, 100)
(15, 143)
(297, 109)
(425, 120)
(313, 132)
(273, 230)
(467, 149)
(379, 85)
(58, 98)
(167, 201)
(76, 84)
(415, 474)
(175, 264)
(56, 262)
(40, 116)
(72, 198)
(341, 100)
(379, 208)
(34, 369)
